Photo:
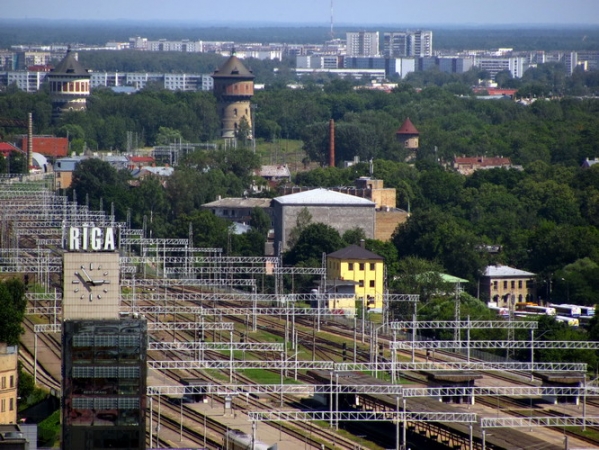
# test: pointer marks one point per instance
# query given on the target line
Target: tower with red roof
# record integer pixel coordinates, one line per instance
(408, 136)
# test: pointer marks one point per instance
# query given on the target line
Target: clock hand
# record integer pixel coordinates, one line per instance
(87, 275)
(85, 283)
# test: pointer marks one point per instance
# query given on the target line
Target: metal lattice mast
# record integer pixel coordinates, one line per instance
(457, 313)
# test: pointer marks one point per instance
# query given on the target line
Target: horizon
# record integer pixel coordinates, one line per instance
(266, 24)
(384, 13)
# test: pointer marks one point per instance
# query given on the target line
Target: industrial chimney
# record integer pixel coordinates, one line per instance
(331, 143)
(29, 142)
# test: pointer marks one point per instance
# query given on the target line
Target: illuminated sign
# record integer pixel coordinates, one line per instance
(92, 238)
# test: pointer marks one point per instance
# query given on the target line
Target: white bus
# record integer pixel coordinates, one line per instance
(567, 310)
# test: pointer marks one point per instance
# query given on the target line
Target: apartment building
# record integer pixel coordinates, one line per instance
(8, 383)
(362, 43)
(408, 43)
(493, 65)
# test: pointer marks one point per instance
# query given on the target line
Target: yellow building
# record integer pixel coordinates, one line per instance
(8, 383)
(355, 263)
(506, 286)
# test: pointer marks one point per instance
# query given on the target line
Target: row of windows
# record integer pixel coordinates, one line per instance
(12, 382)
(370, 283)
(356, 266)
(505, 284)
(11, 405)
(72, 86)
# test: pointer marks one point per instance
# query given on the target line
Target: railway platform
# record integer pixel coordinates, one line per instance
(453, 380)
(453, 435)
(237, 419)
(569, 379)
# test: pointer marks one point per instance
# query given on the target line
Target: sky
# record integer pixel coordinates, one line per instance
(315, 12)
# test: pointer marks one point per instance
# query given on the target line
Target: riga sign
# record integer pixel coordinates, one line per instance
(92, 238)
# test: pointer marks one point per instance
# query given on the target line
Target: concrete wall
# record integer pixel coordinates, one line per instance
(341, 218)
(387, 222)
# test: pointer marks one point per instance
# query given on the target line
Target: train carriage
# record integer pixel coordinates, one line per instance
(238, 440)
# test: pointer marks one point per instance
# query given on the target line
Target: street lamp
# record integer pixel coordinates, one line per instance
(567, 289)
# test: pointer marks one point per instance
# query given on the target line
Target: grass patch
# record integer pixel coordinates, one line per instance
(48, 431)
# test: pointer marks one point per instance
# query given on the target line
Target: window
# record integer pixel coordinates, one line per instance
(350, 266)
(372, 266)
(3, 382)
(495, 285)
(3, 405)
(361, 283)
(519, 284)
(12, 381)
(371, 283)
(513, 284)
(11, 404)
(361, 266)
(505, 284)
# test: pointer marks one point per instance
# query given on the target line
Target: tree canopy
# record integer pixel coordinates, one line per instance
(12, 312)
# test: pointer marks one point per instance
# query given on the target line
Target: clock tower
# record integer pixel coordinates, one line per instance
(103, 355)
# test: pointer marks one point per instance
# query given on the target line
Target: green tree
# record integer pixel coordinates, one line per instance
(97, 181)
(151, 202)
(168, 136)
(354, 236)
(303, 219)
(578, 283)
(260, 221)
(244, 131)
(551, 330)
(314, 240)
(12, 313)
(420, 276)
(208, 230)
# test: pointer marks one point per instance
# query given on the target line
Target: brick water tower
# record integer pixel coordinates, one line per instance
(69, 85)
(233, 88)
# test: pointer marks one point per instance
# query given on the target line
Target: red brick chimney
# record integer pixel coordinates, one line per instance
(331, 143)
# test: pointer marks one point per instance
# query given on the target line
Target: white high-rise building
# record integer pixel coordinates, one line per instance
(400, 44)
(362, 43)
(422, 43)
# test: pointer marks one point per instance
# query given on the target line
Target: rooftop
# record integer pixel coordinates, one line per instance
(70, 66)
(323, 197)
(354, 252)
(407, 128)
(233, 68)
(505, 271)
(237, 202)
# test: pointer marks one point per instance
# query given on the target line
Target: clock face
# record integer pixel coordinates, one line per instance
(91, 286)
(91, 282)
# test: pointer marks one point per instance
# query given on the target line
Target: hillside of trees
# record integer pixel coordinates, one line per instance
(544, 217)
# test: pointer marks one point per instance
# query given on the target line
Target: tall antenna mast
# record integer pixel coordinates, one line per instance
(332, 33)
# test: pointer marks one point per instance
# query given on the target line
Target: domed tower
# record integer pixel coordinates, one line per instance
(69, 85)
(408, 135)
(233, 88)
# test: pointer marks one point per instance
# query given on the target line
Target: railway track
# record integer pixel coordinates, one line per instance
(327, 349)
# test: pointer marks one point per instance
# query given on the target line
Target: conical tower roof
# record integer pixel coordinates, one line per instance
(233, 68)
(70, 66)
(407, 128)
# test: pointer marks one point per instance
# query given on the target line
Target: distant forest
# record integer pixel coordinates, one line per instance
(519, 37)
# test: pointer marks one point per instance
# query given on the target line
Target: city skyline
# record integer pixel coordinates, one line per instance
(316, 12)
